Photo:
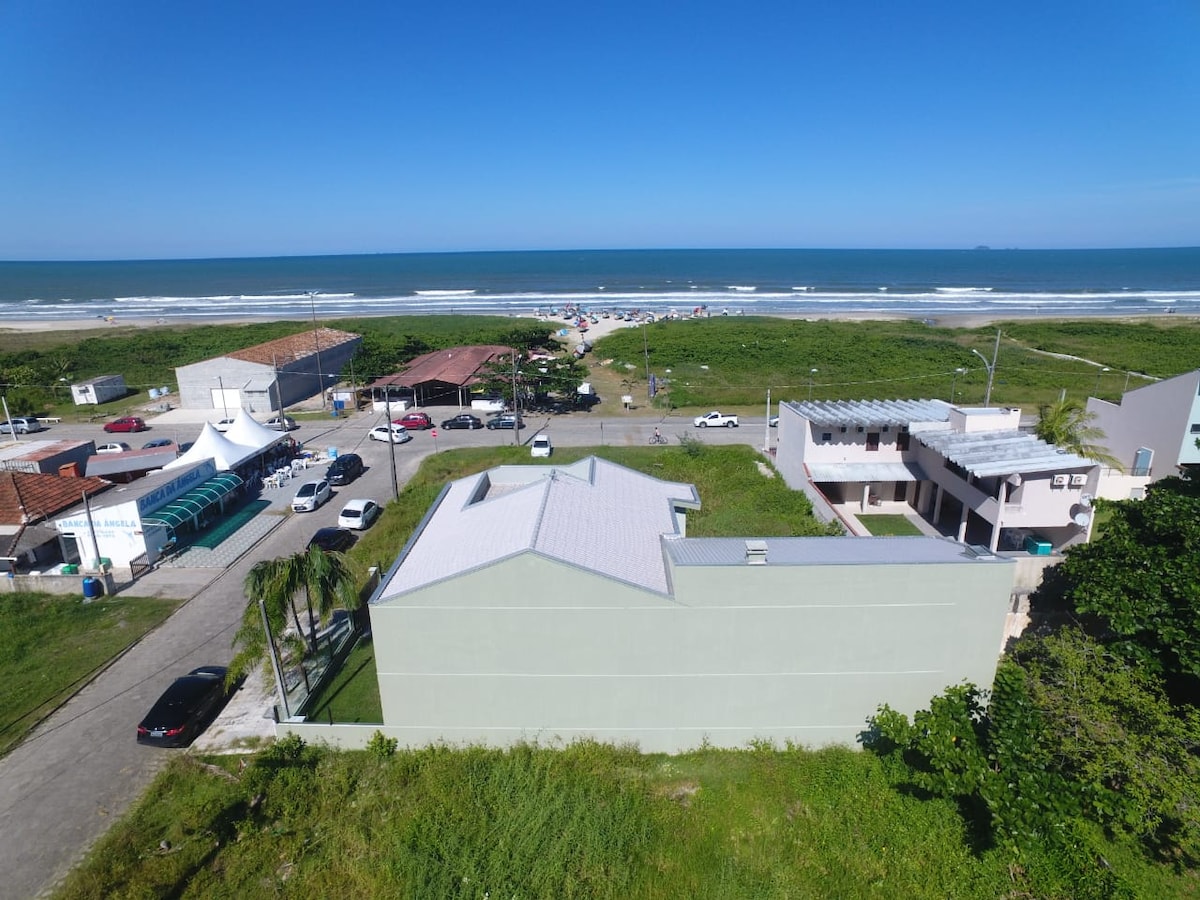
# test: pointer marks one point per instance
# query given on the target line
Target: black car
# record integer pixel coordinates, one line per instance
(184, 709)
(463, 420)
(332, 539)
(507, 420)
(344, 469)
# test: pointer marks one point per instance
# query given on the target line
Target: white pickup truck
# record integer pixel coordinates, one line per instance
(715, 419)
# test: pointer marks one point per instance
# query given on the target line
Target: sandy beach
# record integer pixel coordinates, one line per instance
(599, 330)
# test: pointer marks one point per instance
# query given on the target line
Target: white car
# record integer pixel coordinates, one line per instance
(117, 447)
(715, 419)
(311, 495)
(397, 434)
(223, 425)
(359, 514)
(540, 446)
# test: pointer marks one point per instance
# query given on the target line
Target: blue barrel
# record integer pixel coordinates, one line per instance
(93, 588)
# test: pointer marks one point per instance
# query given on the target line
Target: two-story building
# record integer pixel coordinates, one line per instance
(555, 603)
(970, 472)
(1154, 429)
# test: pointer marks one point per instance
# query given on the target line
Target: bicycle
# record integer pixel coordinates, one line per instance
(657, 438)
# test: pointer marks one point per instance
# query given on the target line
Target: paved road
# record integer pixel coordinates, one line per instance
(81, 769)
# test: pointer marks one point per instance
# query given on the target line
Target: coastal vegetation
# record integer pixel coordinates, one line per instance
(729, 361)
(1090, 735)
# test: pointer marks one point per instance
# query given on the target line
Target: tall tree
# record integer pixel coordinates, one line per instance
(1067, 424)
(1142, 578)
(327, 582)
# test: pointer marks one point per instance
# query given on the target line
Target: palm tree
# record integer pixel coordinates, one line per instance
(1068, 425)
(327, 581)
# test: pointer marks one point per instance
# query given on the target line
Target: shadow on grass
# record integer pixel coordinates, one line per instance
(352, 697)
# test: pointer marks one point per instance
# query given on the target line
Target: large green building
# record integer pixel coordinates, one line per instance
(553, 603)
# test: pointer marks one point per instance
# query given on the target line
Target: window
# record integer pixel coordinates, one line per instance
(902, 440)
(872, 440)
(1196, 429)
(826, 436)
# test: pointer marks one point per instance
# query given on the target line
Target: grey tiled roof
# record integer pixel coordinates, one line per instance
(594, 514)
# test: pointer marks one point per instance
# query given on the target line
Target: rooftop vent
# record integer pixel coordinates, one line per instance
(756, 553)
(979, 551)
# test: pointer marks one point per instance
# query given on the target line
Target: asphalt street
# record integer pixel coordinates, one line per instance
(81, 768)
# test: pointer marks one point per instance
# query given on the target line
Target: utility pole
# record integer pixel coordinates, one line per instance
(278, 392)
(516, 404)
(767, 427)
(646, 351)
(312, 303)
(387, 405)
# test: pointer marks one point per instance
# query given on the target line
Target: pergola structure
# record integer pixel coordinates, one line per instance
(440, 377)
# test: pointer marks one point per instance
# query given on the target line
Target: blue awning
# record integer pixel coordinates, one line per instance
(187, 506)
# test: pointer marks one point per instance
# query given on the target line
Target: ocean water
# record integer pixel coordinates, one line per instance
(918, 283)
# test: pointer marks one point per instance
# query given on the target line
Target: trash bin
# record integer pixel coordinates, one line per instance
(93, 588)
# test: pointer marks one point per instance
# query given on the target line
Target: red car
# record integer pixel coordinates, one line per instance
(418, 420)
(125, 423)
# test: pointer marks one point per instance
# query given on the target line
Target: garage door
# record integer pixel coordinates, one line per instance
(227, 399)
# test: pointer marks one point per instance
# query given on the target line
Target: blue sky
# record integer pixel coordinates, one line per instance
(159, 129)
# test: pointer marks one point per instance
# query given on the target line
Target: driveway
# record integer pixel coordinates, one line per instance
(81, 769)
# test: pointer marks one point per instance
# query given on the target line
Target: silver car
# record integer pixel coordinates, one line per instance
(21, 425)
(311, 495)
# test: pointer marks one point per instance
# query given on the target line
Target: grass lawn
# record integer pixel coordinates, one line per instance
(353, 696)
(889, 526)
(50, 644)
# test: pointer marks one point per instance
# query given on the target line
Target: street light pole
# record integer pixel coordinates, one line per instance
(767, 429)
(312, 305)
(811, 375)
(646, 351)
(1096, 392)
(991, 368)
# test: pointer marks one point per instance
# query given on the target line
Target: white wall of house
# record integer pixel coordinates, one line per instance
(1160, 416)
(977, 419)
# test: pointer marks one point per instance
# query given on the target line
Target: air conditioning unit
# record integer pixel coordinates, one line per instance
(1061, 480)
(1078, 480)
